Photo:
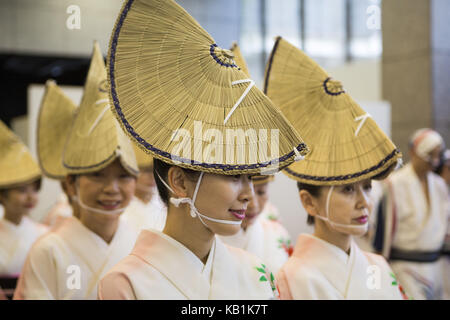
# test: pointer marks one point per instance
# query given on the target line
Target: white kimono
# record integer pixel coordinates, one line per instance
(445, 264)
(270, 212)
(146, 216)
(320, 270)
(266, 239)
(69, 261)
(161, 268)
(412, 225)
(15, 242)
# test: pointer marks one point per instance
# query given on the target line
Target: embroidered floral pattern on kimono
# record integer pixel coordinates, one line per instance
(286, 245)
(268, 276)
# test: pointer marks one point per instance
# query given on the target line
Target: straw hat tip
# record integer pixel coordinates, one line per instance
(50, 82)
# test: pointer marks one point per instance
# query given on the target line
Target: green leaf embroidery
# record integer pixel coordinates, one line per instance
(263, 278)
(261, 270)
(272, 278)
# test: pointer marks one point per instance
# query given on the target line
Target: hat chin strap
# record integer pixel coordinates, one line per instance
(335, 224)
(191, 202)
(105, 212)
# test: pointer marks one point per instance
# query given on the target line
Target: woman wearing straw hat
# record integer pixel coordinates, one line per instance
(54, 121)
(20, 180)
(182, 98)
(146, 210)
(269, 211)
(265, 238)
(260, 182)
(68, 262)
(348, 149)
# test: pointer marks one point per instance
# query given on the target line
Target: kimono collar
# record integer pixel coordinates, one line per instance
(176, 262)
(90, 247)
(309, 243)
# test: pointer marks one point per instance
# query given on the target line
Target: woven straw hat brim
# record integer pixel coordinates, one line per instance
(17, 166)
(167, 74)
(95, 138)
(55, 118)
(343, 147)
(239, 58)
(262, 179)
(144, 160)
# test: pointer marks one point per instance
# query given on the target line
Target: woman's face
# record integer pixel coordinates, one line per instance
(223, 197)
(428, 164)
(20, 200)
(256, 206)
(111, 188)
(349, 205)
(145, 184)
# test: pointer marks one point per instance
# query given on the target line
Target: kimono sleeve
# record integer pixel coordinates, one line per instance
(115, 286)
(38, 279)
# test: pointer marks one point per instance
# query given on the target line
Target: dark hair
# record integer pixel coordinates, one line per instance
(314, 191)
(161, 168)
(442, 162)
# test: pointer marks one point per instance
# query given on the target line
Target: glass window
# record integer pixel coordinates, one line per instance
(251, 39)
(282, 19)
(365, 31)
(325, 32)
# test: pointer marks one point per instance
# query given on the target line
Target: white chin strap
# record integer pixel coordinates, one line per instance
(191, 202)
(86, 207)
(335, 224)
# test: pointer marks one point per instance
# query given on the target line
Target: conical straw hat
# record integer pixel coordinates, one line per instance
(55, 118)
(345, 142)
(173, 93)
(240, 61)
(95, 139)
(239, 58)
(144, 160)
(17, 165)
(261, 179)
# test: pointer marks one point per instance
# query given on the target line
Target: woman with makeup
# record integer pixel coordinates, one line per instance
(265, 238)
(146, 210)
(55, 118)
(20, 181)
(101, 174)
(348, 150)
(186, 103)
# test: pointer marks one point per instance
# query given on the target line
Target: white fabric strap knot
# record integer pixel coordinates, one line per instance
(298, 156)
